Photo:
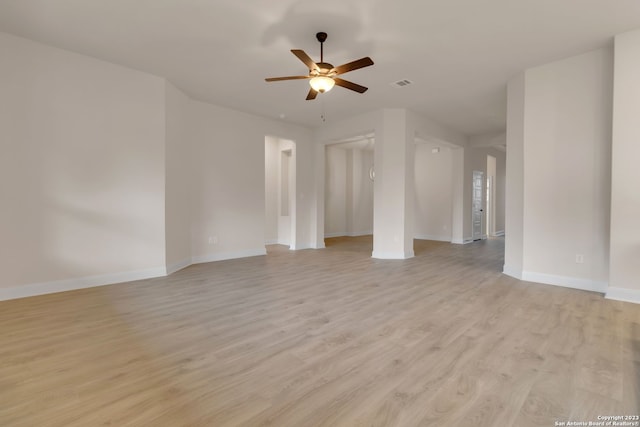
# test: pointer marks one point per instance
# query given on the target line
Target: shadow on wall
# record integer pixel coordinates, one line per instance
(73, 218)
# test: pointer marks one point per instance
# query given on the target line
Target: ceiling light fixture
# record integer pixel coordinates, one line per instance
(322, 84)
(322, 75)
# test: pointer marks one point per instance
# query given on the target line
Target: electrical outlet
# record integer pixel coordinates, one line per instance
(579, 259)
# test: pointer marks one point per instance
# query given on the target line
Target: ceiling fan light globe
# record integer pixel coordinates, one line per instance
(322, 84)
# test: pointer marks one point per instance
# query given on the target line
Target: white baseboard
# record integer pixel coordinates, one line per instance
(432, 237)
(623, 294)
(303, 246)
(214, 257)
(512, 271)
(392, 255)
(574, 283)
(360, 233)
(463, 241)
(499, 233)
(177, 266)
(565, 281)
(228, 255)
(349, 234)
(330, 235)
(35, 289)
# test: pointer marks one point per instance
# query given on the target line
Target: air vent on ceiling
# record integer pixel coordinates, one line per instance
(402, 83)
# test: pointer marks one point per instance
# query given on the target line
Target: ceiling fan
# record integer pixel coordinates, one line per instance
(322, 75)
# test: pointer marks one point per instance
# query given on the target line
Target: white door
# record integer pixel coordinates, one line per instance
(476, 205)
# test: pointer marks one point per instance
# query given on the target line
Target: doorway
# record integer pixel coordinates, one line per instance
(477, 210)
(280, 192)
(349, 181)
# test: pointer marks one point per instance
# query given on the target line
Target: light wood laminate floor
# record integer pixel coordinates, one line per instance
(322, 338)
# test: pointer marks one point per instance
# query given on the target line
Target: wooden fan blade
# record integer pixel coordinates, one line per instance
(354, 65)
(312, 94)
(277, 79)
(350, 85)
(302, 56)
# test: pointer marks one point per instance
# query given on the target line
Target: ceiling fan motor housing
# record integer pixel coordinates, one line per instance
(324, 69)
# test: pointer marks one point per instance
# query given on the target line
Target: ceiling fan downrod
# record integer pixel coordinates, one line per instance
(321, 37)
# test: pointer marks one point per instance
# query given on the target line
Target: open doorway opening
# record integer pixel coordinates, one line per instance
(280, 192)
(349, 180)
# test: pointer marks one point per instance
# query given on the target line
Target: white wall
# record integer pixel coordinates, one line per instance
(228, 187)
(434, 192)
(109, 174)
(625, 195)
(81, 171)
(177, 180)
(335, 204)
(566, 146)
(229, 182)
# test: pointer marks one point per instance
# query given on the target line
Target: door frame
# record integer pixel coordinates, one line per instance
(480, 235)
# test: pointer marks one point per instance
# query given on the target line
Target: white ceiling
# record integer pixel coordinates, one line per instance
(458, 53)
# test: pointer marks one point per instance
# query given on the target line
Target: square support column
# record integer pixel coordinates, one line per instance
(393, 205)
(514, 209)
